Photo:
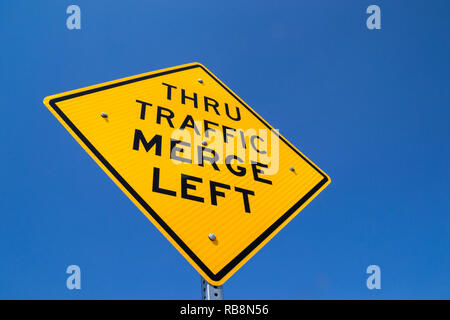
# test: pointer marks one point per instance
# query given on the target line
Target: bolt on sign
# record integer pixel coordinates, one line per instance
(213, 176)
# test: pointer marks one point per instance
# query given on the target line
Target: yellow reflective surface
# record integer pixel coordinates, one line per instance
(240, 180)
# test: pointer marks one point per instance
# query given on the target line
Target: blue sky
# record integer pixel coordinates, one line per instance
(371, 108)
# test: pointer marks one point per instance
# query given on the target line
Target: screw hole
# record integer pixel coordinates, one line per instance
(215, 294)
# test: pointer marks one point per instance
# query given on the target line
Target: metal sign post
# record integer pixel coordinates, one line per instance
(210, 292)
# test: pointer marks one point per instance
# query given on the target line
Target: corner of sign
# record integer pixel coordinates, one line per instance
(327, 177)
(47, 100)
(215, 283)
(197, 64)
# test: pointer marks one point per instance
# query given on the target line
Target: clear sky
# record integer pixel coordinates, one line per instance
(370, 107)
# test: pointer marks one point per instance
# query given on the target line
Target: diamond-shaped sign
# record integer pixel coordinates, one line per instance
(215, 178)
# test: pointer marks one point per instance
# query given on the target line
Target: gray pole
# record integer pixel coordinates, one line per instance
(210, 292)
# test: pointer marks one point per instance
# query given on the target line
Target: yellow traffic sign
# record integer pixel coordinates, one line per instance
(215, 178)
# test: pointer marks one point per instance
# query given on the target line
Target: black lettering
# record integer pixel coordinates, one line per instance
(185, 186)
(168, 116)
(139, 137)
(184, 97)
(189, 122)
(252, 142)
(208, 128)
(143, 108)
(215, 193)
(241, 171)
(245, 194)
(243, 139)
(226, 134)
(174, 149)
(157, 188)
(256, 171)
(238, 113)
(210, 102)
(202, 157)
(169, 90)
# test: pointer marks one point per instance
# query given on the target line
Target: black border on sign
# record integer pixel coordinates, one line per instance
(222, 273)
